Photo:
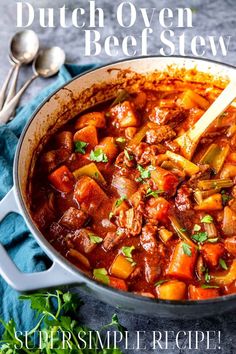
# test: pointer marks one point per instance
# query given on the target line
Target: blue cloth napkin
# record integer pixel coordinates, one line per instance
(14, 234)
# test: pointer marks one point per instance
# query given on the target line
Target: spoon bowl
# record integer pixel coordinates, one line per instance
(49, 61)
(24, 47)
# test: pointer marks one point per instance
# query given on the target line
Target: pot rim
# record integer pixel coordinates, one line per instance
(52, 253)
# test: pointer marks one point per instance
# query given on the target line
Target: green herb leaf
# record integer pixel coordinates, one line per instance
(145, 173)
(120, 201)
(95, 239)
(182, 229)
(127, 155)
(207, 219)
(127, 252)
(121, 140)
(101, 275)
(196, 228)
(207, 286)
(200, 237)
(98, 156)
(207, 276)
(225, 197)
(187, 249)
(159, 282)
(151, 193)
(223, 264)
(80, 146)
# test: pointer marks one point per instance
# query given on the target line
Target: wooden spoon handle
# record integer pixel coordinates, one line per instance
(215, 110)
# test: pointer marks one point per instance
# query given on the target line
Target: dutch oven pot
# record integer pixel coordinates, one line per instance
(82, 92)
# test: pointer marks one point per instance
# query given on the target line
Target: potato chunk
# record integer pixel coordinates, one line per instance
(125, 115)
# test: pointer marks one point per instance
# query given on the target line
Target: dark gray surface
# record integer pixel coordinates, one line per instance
(212, 17)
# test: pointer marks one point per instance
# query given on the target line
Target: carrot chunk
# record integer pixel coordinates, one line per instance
(118, 283)
(212, 252)
(164, 180)
(171, 290)
(62, 179)
(158, 208)
(182, 261)
(198, 293)
(88, 135)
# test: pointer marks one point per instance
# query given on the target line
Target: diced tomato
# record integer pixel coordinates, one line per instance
(158, 208)
(199, 293)
(212, 252)
(62, 179)
(183, 261)
(118, 283)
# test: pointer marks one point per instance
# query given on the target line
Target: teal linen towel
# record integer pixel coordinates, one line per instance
(14, 234)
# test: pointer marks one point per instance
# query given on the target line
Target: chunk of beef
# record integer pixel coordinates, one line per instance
(65, 140)
(112, 240)
(89, 194)
(52, 159)
(167, 115)
(57, 231)
(230, 245)
(131, 220)
(146, 154)
(148, 238)
(183, 198)
(80, 240)
(73, 218)
(123, 160)
(156, 133)
(152, 268)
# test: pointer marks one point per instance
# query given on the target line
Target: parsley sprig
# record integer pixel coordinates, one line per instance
(127, 252)
(56, 313)
(98, 155)
(80, 147)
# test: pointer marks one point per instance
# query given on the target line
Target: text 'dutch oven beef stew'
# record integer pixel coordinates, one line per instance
(113, 194)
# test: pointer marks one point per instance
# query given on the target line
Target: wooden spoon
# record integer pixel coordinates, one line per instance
(189, 140)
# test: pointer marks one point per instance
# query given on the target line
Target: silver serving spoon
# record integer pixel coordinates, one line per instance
(23, 49)
(46, 64)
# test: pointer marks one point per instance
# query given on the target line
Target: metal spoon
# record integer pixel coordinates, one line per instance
(46, 64)
(23, 49)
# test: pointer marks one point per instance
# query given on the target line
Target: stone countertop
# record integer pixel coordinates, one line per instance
(210, 17)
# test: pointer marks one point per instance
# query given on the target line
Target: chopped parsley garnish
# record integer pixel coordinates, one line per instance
(207, 219)
(127, 252)
(98, 156)
(95, 239)
(200, 237)
(120, 201)
(159, 282)
(100, 274)
(187, 249)
(183, 229)
(144, 173)
(128, 156)
(223, 264)
(151, 193)
(121, 140)
(80, 146)
(196, 228)
(225, 197)
(206, 286)
(207, 276)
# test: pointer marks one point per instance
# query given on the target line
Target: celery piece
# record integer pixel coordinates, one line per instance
(215, 184)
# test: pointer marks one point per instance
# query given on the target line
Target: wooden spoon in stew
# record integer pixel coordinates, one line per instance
(189, 140)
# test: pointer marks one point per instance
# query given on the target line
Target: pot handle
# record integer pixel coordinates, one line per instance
(57, 275)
